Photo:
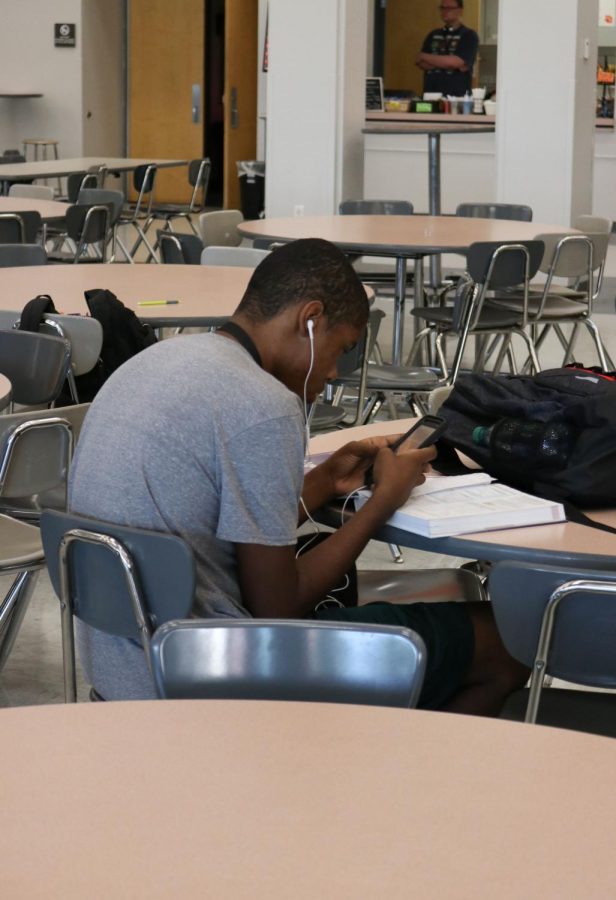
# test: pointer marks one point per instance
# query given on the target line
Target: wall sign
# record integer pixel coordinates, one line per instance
(64, 35)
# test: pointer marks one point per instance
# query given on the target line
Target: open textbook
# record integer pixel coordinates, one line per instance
(462, 504)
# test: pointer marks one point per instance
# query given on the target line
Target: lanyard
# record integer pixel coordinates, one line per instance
(243, 338)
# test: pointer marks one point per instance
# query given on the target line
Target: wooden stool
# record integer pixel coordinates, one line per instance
(40, 146)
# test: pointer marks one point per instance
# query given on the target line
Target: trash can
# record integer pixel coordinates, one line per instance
(251, 173)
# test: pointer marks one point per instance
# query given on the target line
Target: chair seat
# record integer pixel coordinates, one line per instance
(419, 586)
(326, 415)
(396, 378)
(578, 710)
(556, 307)
(490, 317)
(21, 545)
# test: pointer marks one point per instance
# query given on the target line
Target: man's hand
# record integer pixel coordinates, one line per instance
(396, 474)
(346, 468)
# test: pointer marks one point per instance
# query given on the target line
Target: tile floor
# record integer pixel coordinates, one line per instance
(33, 673)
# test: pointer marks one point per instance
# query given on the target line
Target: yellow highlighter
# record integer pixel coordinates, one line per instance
(156, 302)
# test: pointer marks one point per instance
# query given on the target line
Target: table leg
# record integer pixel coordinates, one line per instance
(398, 337)
(419, 300)
(434, 162)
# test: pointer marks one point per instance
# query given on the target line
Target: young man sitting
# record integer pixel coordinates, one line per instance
(203, 436)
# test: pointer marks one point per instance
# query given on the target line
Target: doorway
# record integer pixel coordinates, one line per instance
(192, 90)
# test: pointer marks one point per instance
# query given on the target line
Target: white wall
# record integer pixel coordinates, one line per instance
(315, 104)
(545, 113)
(73, 81)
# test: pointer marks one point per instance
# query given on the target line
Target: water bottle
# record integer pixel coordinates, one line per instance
(519, 441)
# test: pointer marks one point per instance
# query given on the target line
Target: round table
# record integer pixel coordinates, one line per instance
(403, 237)
(560, 544)
(49, 209)
(207, 294)
(241, 799)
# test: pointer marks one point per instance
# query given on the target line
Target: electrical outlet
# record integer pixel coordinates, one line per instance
(298, 209)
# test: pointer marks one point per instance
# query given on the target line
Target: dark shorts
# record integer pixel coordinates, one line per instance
(447, 631)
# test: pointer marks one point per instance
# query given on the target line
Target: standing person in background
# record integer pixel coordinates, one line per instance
(448, 53)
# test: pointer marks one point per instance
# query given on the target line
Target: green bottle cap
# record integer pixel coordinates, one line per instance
(481, 435)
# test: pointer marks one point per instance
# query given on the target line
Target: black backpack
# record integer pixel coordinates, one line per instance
(585, 399)
(123, 336)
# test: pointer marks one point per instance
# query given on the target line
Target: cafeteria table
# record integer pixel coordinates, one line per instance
(5, 392)
(183, 295)
(403, 237)
(247, 799)
(561, 543)
(434, 131)
(48, 209)
(59, 168)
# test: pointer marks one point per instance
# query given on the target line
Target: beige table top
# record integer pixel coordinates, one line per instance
(49, 209)
(207, 294)
(564, 543)
(51, 168)
(397, 235)
(195, 799)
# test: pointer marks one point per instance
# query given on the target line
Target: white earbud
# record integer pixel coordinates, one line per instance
(310, 327)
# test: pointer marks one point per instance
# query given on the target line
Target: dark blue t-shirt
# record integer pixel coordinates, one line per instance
(461, 42)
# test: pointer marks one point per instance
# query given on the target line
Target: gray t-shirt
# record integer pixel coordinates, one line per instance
(193, 438)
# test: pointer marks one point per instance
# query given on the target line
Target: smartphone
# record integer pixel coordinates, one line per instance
(423, 433)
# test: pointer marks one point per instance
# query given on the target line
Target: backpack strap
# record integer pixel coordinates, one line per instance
(34, 311)
(576, 515)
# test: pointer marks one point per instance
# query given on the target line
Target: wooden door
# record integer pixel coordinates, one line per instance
(240, 96)
(165, 60)
(407, 24)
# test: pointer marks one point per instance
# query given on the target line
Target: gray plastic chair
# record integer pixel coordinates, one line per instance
(491, 266)
(219, 228)
(139, 214)
(35, 364)
(267, 659)
(511, 211)
(562, 623)
(36, 448)
(198, 178)
(550, 306)
(22, 255)
(20, 227)
(376, 208)
(179, 249)
(122, 581)
(91, 196)
(85, 337)
(249, 257)
(35, 454)
(32, 191)
(86, 227)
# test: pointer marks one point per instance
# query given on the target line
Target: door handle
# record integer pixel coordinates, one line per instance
(235, 116)
(196, 103)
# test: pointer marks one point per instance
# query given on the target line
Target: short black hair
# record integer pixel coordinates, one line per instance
(307, 269)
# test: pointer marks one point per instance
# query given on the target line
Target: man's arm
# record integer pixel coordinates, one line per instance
(275, 584)
(427, 61)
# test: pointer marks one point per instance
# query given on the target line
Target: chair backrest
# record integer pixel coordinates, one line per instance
(495, 211)
(84, 334)
(120, 580)
(78, 181)
(569, 255)
(233, 256)
(199, 177)
(576, 609)
(22, 255)
(88, 225)
(589, 224)
(144, 180)
(376, 208)
(96, 196)
(98, 576)
(35, 364)
(264, 659)
(503, 263)
(34, 191)
(219, 228)
(36, 449)
(179, 249)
